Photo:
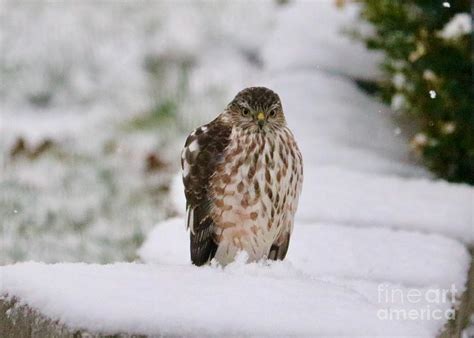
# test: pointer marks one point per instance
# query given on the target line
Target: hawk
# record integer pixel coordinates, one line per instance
(242, 174)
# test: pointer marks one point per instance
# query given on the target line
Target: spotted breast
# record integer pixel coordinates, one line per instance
(255, 192)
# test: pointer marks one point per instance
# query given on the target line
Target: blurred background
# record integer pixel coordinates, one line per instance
(98, 96)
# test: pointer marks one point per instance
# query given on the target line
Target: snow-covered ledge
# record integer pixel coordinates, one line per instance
(184, 300)
(330, 285)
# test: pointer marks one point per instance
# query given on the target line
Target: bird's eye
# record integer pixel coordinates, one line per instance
(272, 113)
(245, 112)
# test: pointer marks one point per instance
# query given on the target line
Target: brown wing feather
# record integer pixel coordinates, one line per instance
(203, 150)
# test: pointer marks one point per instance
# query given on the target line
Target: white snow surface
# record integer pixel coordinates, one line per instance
(185, 300)
(331, 276)
(418, 204)
(368, 217)
(317, 42)
(325, 249)
(459, 25)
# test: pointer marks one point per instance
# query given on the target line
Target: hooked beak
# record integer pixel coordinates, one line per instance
(261, 119)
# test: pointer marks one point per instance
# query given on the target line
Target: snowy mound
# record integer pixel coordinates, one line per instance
(333, 275)
(173, 300)
(318, 249)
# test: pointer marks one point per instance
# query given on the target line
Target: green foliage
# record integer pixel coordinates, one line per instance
(429, 77)
(162, 113)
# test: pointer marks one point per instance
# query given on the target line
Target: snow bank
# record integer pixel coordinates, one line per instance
(333, 274)
(167, 243)
(318, 250)
(338, 195)
(255, 299)
(373, 263)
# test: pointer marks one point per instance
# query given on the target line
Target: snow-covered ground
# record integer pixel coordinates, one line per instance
(243, 299)
(377, 241)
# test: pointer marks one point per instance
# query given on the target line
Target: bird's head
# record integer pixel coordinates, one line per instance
(256, 109)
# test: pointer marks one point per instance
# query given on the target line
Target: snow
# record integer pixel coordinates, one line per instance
(325, 249)
(167, 243)
(313, 39)
(243, 299)
(370, 218)
(459, 25)
(398, 102)
(417, 204)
